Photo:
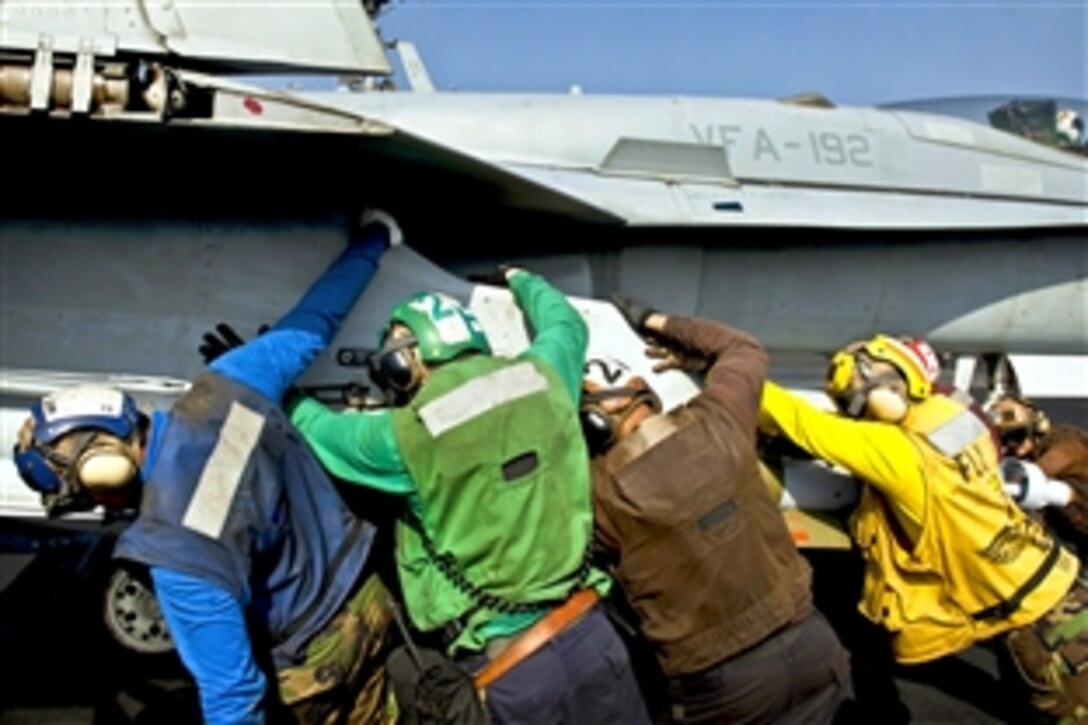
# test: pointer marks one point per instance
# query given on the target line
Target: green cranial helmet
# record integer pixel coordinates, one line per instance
(442, 326)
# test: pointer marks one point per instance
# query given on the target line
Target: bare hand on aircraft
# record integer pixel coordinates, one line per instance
(674, 358)
(377, 217)
(222, 340)
(636, 313)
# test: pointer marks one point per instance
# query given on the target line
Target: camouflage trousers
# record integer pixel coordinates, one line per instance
(1052, 658)
(343, 678)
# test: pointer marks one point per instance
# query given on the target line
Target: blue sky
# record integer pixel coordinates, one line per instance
(853, 52)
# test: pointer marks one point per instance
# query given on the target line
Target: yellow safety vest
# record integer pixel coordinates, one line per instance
(979, 567)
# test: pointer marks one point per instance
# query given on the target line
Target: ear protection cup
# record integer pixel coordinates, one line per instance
(43, 467)
(857, 390)
(393, 367)
(842, 383)
(886, 404)
(597, 428)
(1041, 422)
(107, 466)
(611, 394)
(601, 425)
(34, 468)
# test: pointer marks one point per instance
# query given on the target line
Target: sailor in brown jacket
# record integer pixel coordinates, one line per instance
(1060, 451)
(700, 550)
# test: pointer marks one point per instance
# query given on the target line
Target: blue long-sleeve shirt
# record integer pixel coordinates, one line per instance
(207, 622)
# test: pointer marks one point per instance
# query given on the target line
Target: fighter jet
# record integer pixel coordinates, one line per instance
(155, 187)
(140, 153)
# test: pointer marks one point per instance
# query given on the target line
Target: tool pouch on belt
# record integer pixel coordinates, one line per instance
(1052, 656)
(431, 689)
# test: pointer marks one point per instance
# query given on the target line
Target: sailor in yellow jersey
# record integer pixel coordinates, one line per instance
(950, 559)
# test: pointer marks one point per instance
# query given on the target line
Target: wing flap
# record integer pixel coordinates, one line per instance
(304, 35)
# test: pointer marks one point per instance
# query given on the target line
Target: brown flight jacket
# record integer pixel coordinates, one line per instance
(1063, 455)
(695, 541)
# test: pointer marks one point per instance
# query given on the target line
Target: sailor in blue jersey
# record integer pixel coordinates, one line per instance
(253, 554)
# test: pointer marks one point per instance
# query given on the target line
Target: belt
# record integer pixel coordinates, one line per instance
(1005, 609)
(552, 624)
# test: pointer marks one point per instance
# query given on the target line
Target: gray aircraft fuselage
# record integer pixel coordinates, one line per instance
(117, 253)
(149, 195)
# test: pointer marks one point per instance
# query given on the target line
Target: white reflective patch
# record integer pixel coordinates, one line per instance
(479, 396)
(958, 433)
(83, 400)
(211, 501)
(452, 329)
(444, 312)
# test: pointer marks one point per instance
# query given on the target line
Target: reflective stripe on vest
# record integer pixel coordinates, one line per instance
(480, 395)
(954, 435)
(212, 498)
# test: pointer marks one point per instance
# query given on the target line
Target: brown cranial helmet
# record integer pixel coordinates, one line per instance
(611, 392)
(1018, 421)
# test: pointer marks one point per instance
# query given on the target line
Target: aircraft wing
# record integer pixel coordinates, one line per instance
(586, 159)
(634, 161)
(277, 135)
(242, 35)
(405, 159)
(446, 170)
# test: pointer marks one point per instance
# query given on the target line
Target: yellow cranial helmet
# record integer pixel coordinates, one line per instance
(862, 375)
(913, 358)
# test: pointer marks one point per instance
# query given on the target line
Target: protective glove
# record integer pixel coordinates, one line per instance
(1029, 486)
(221, 340)
(673, 358)
(498, 277)
(377, 217)
(634, 312)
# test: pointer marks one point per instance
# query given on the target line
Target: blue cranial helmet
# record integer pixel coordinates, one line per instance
(88, 408)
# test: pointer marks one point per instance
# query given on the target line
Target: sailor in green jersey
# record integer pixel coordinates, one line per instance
(489, 454)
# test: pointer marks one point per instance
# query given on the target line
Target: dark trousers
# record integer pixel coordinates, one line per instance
(582, 675)
(798, 675)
